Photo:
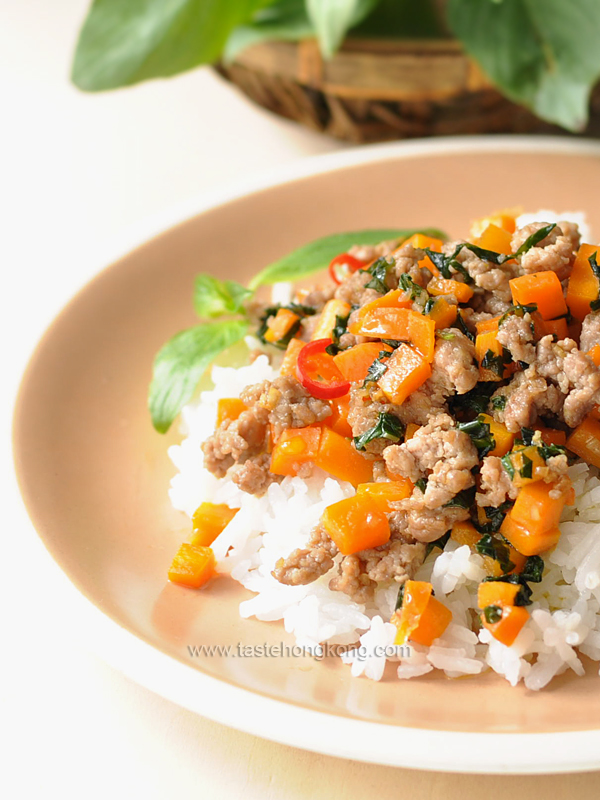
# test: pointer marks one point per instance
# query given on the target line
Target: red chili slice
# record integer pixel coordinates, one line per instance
(344, 265)
(318, 373)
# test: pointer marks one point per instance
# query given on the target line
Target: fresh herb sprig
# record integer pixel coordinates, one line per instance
(387, 427)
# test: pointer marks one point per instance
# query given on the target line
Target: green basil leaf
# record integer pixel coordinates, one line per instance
(180, 364)
(535, 238)
(543, 54)
(123, 42)
(317, 255)
(387, 427)
(333, 19)
(492, 614)
(283, 20)
(214, 298)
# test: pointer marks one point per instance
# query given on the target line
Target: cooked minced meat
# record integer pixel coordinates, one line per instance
(354, 289)
(254, 476)
(365, 410)
(573, 372)
(527, 397)
(439, 452)
(288, 403)
(495, 484)
(590, 333)
(235, 441)
(305, 565)
(370, 252)
(556, 252)
(517, 335)
(425, 524)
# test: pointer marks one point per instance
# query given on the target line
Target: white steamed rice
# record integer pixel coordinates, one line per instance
(564, 618)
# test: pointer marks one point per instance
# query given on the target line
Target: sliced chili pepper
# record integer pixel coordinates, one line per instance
(318, 373)
(343, 265)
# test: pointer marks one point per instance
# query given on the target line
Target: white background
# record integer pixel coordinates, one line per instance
(77, 173)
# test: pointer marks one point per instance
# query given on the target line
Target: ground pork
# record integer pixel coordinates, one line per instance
(527, 397)
(235, 441)
(574, 373)
(556, 252)
(495, 486)
(407, 263)
(364, 410)
(353, 289)
(425, 524)
(307, 564)
(370, 252)
(254, 476)
(287, 402)
(517, 335)
(590, 333)
(439, 452)
(315, 297)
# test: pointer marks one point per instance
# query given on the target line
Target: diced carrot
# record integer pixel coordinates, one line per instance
(502, 436)
(422, 618)
(383, 493)
(410, 431)
(420, 241)
(496, 238)
(465, 533)
(395, 299)
(487, 325)
(585, 440)
(542, 288)
(337, 457)
(532, 524)
(504, 219)
(497, 593)
(443, 313)
(229, 408)
(355, 524)
(290, 359)
(338, 421)
(401, 324)
(557, 327)
(354, 363)
(407, 371)
(594, 354)
(551, 436)
(280, 324)
(485, 343)
(439, 286)
(327, 319)
(509, 626)
(583, 285)
(209, 520)
(295, 446)
(192, 566)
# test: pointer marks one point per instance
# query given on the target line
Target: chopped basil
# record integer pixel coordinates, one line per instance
(496, 549)
(416, 291)
(495, 518)
(508, 465)
(428, 307)
(526, 470)
(477, 400)
(499, 402)
(461, 325)
(534, 239)
(400, 598)
(547, 451)
(446, 263)
(448, 335)
(480, 434)
(421, 484)
(463, 499)
(492, 614)
(592, 261)
(518, 311)
(339, 329)
(387, 427)
(487, 255)
(377, 368)
(441, 543)
(393, 343)
(379, 272)
(496, 363)
(533, 569)
(527, 435)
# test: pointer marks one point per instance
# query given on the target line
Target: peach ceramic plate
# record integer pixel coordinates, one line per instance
(94, 474)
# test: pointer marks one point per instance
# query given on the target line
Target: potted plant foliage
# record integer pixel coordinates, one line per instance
(366, 70)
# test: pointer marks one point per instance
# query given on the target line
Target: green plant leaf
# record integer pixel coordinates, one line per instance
(214, 298)
(180, 364)
(334, 18)
(123, 42)
(284, 20)
(543, 54)
(317, 255)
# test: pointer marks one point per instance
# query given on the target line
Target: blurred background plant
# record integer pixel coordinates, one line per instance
(541, 54)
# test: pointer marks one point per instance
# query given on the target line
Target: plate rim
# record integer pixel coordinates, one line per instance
(254, 713)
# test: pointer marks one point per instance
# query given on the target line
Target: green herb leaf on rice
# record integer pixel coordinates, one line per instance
(317, 255)
(180, 364)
